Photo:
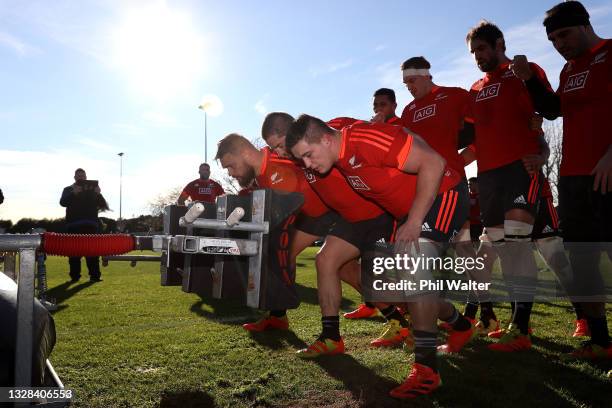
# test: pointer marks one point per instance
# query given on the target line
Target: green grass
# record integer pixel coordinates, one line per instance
(129, 342)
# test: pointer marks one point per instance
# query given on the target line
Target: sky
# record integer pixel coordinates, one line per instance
(81, 81)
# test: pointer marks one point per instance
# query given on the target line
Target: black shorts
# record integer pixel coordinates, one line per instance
(546, 221)
(363, 234)
(506, 188)
(447, 214)
(318, 226)
(585, 215)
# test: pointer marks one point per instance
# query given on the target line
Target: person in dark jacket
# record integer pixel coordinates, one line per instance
(83, 201)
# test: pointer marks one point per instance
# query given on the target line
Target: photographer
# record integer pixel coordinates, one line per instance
(83, 201)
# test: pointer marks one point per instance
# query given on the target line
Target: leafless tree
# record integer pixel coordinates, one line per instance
(553, 133)
(156, 205)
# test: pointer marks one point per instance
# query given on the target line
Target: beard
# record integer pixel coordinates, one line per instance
(490, 65)
(247, 178)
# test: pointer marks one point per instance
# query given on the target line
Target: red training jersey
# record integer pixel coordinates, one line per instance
(502, 111)
(437, 118)
(282, 174)
(202, 190)
(585, 89)
(371, 156)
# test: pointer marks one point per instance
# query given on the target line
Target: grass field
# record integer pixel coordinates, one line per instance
(128, 342)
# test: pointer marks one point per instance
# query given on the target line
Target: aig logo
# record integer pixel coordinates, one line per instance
(488, 92)
(424, 113)
(576, 81)
(357, 183)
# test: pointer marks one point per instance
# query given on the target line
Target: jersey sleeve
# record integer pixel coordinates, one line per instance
(187, 191)
(342, 122)
(220, 190)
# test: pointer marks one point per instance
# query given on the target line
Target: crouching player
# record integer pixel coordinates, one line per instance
(401, 173)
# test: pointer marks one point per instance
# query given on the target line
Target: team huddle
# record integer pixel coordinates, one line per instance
(401, 181)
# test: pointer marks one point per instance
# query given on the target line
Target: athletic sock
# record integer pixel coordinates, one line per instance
(486, 312)
(425, 344)
(522, 315)
(391, 312)
(331, 328)
(278, 313)
(471, 308)
(458, 321)
(579, 311)
(599, 331)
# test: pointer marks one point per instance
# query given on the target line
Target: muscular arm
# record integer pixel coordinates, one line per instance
(466, 135)
(546, 102)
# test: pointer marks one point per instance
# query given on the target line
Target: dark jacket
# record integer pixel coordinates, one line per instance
(81, 207)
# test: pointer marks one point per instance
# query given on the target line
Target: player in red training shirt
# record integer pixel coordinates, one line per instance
(247, 164)
(585, 183)
(401, 173)
(384, 105)
(509, 194)
(359, 222)
(202, 189)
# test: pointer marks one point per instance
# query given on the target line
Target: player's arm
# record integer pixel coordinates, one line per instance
(545, 101)
(534, 162)
(466, 135)
(429, 167)
(603, 173)
(183, 196)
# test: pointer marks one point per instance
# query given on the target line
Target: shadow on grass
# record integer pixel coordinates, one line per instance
(365, 385)
(278, 339)
(186, 399)
(224, 311)
(66, 290)
(527, 378)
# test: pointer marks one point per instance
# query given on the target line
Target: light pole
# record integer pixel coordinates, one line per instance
(120, 182)
(204, 107)
(211, 104)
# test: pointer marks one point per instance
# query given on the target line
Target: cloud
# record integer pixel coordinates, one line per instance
(381, 47)
(261, 105)
(331, 68)
(18, 46)
(97, 145)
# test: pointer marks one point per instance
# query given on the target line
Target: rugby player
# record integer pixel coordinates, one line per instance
(401, 173)
(585, 183)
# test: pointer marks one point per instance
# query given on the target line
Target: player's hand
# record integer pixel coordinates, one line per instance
(407, 235)
(520, 66)
(378, 118)
(76, 189)
(603, 173)
(535, 123)
(533, 163)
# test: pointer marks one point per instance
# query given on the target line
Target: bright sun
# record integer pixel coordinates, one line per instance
(159, 50)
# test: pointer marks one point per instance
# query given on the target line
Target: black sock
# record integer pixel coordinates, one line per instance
(458, 321)
(522, 315)
(599, 331)
(486, 312)
(425, 344)
(579, 311)
(370, 305)
(278, 313)
(471, 308)
(391, 312)
(331, 328)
